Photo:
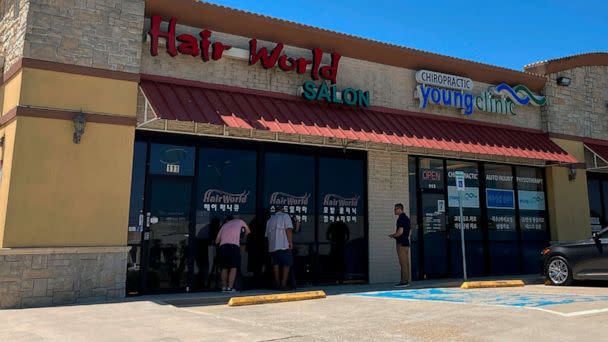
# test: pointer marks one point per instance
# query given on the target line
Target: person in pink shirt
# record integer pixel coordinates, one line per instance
(228, 238)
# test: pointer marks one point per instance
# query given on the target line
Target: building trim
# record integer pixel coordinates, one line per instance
(251, 25)
(378, 147)
(569, 62)
(67, 68)
(63, 250)
(66, 115)
(8, 117)
(577, 138)
(565, 136)
(10, 72)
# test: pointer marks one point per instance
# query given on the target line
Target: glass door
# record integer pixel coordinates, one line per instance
(167, 218)
(435, 238)
(168, 233)
(433, 218)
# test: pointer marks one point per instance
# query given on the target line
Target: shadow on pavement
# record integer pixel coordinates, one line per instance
(218, 298)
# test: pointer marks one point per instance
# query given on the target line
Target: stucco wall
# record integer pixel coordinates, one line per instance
(66, 194)
(389, 86)
(568, 199)
(580, 109)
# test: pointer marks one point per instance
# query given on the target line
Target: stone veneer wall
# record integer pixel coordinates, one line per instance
(580, 109)
(104, 34)
(33, 277)
(13, 21)
(387, 185)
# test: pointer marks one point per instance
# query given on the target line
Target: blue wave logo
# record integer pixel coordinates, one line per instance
(520, 94)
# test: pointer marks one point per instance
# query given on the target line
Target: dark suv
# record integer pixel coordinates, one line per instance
(577, 260)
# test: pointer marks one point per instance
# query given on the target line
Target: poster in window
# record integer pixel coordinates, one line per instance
(531, 200)
(500, 199)
(470, 197)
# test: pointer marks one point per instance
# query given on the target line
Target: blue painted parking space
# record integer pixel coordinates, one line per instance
(486, 297)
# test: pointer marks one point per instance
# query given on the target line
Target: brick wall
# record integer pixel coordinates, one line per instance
(581, 108)
(104, 34)
(387, 185)
(389, 86)
(13, 21)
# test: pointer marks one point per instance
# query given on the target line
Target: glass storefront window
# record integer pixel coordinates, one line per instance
(595, 204)
(226, 188)
(289, 182)
(532, 215)
(190, 190)
(500, 197)
(504, 229)
(341, 220)
(471, 219)
(531, 199)
(470, 197)
(503, 239)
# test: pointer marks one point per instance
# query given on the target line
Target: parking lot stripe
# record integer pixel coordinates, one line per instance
(572, 314)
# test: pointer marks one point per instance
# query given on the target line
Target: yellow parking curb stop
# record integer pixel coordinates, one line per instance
(491, 283)
(275, 298)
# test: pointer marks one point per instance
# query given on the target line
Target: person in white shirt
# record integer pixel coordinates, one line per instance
(279, 231)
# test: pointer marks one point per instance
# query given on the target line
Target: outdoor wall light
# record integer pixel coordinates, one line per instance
(564, 81)
(572, 173)
(80, 121)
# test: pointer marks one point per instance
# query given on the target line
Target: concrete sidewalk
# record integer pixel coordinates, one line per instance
(478, 315)
(218, 298)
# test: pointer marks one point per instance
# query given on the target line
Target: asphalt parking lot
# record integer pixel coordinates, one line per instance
(534, 312)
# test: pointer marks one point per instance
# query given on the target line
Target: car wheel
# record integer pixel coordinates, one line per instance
(558, 271)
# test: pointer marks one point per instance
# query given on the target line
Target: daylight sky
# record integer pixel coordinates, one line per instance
(510, 34)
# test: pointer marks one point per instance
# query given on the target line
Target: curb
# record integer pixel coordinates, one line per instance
(491, 283)
(275, 298)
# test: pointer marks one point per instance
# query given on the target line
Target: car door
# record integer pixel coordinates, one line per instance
(593, 258)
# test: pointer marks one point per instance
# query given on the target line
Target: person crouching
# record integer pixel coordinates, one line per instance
(228, 238)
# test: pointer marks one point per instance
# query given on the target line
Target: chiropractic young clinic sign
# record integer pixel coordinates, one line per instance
(456, 92)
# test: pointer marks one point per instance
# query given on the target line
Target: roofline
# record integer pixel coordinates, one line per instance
(228, 20)
(569, 62)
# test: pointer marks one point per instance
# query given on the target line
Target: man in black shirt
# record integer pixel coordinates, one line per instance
(402, 237)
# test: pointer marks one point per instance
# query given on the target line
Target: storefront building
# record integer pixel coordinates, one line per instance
(131, 129)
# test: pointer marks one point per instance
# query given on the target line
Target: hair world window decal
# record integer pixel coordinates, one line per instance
(203, 47)
(291, 204)
(218, 200)
(337, 208)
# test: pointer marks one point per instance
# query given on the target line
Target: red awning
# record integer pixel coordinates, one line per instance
(600, 149)
(245, 108)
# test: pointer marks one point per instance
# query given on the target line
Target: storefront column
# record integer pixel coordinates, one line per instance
(387, 185)
(567, 197)
(64, 201)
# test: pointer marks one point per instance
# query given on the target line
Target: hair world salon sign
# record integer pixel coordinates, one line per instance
(202, 47)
